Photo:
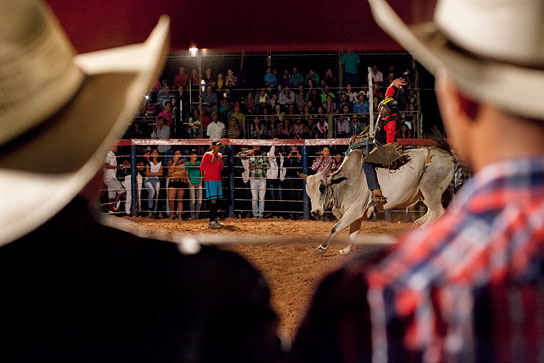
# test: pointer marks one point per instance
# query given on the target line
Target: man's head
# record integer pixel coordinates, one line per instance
(215, 117)
(268, 70)
(326, 88)
(215, 146)
(193, 156)
(294, 70)
(388, 106)
(181, 70)
(326, 152)
(168, 105)
(160, 122)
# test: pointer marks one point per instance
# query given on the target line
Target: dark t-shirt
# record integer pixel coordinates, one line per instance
(74, 290)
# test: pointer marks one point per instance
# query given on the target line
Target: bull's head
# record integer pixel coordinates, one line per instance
(316, 188)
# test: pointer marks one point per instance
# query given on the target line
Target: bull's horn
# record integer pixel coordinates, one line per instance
(302, 175)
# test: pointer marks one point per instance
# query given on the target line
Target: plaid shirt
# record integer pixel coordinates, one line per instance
(468, 287)
(492, 234)
(260, 162)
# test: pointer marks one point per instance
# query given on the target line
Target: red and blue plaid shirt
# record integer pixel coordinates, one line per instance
(470, 286)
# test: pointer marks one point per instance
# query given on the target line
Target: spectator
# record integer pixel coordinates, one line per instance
(224, 108)
(216, 129)
(285, 80)
(350, 62)
(127, 184)
(327, 92)
(324, 161)
(153, 171)
(311, 76)
(166, 113)
(208, 78)
(115, 189)
(278, 113)
(351, 94)
(151, 107)
(300, 131)
(356, 126)
(240, 117)
(182, 78)
(294, 183)
(177, 184)
(296, 79)
(361, 106)
(194, 125)
(233, 129)
(287, 97)
(74, 289)
(220, 83)
(329, 106)
(343, 102)
(195, 185)
(195, 78)
(377, 91)
(342, 126)
(250, 103)
(404, 132)
(270, 80)
(256, 130)
(338, 158)
(258, 165)
(314, 97)
(211, 167)
(364, 90)
(329, 79)
(262, 101)
(286, 130)
(273, 129)
(273, 101)
(232, 80)
(161, 131)
(165, 92)
(310, 124)
(377, 76)
(320, 130)
(275, 175)
(209, 100)
(300, 97)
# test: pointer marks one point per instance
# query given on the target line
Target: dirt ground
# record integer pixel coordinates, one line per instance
(292, 270)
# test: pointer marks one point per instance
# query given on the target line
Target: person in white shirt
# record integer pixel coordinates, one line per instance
(216, 129)
(275, 175)
(115, 189)
(377, 76)
(162, 131)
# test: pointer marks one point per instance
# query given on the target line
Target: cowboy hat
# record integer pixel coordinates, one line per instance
(60, 112)
(493, 50)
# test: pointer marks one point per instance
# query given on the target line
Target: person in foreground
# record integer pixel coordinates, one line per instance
(468, 287)
(74, 290)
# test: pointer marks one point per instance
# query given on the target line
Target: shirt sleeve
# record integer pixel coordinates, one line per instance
(316, 164)
(391, 131)
(390, 92)
(205, 162)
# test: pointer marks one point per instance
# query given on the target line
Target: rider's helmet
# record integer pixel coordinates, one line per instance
(389, 104)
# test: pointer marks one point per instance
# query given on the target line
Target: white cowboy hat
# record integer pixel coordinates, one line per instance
(60, 112)
(493, 50)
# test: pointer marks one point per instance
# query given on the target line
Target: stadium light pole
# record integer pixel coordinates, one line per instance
(196, 53)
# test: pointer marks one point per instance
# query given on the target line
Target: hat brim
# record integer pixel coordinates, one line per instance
(44, 169)
(514, 88)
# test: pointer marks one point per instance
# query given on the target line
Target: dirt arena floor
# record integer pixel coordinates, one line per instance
(292, 269)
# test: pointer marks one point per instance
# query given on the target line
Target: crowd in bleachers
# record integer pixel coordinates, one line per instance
(289, 105)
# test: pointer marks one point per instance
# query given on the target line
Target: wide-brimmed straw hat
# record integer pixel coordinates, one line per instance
(493, 50)
(60, 112)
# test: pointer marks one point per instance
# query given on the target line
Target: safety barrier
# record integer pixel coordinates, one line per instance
(238, 193)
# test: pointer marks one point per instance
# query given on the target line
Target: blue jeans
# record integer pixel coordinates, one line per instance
(275, 194)
(258, 191)
(152, 185)
(371, 176)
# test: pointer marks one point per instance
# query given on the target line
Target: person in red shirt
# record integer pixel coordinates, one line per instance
(386, 133)
(211, 167)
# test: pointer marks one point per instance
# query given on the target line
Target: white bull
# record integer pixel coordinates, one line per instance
(425, 177)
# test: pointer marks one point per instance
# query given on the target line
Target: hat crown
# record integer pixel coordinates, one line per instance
(507, 30)
(37, 76)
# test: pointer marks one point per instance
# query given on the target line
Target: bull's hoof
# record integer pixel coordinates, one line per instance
(321, 249)
(345, 251)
